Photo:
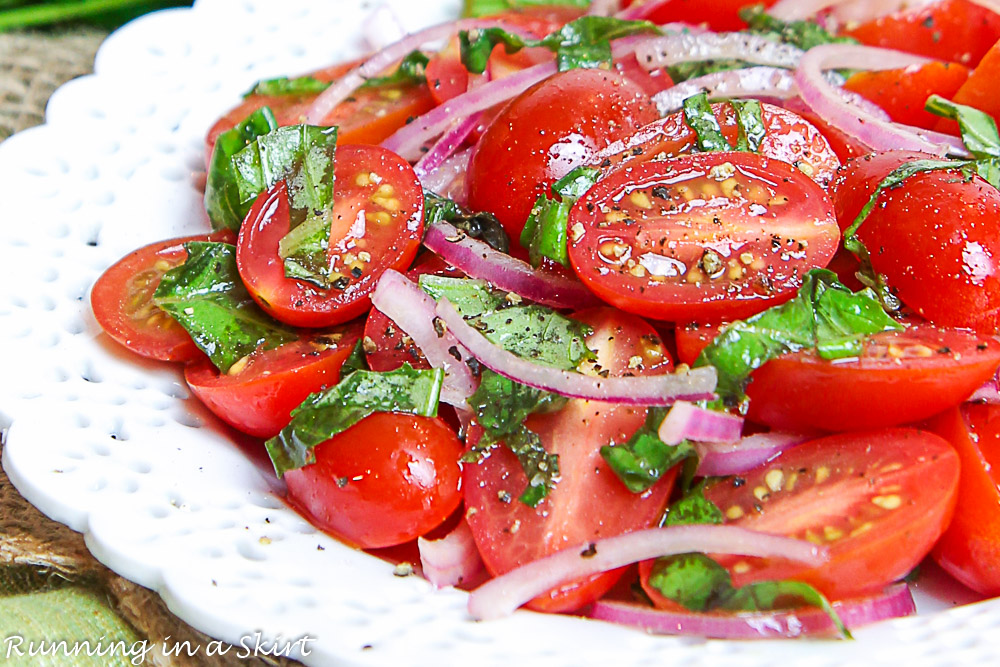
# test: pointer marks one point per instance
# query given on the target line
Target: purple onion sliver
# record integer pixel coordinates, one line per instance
(451, 560)
(761, 81)
(687, 421)
(440, 179)
(735, 458)
(445, 147)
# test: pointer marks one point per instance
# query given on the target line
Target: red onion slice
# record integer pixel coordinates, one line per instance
(799, 10)
(734, 458)
(453, 559)
(768, 82)
(478, 260)
(696, 384)
(501, 596)
(439, 180)
(682, 48)
(412, 309)
(444, 147)
(895, 602)
(686, 421)
(604, 7)
(825, 100)
(988, 393)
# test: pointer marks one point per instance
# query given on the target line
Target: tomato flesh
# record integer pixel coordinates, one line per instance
(710, 236)
(902, 93)
(878, 500)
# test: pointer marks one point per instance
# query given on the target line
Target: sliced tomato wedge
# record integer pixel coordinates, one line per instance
(692, 338)
(122, 300)
(878, 500)
(589, 501)
(901, 377)
(711, 236)
(377, 225)
(902, 93)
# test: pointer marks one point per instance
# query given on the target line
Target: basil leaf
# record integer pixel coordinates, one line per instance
(576, 183)
(545, 232)
(694, 508)
(536, 333)
(283, 86)
(644, 458)
(979, 129)
(770, 595)
(483, 226)
(477, 8)
(327, 413)
(470, 297)
(750, 120)
(803, 34)
(692, 70)
(699, 116)
(207, 297)
(224, 204)
(824, 316)
(475, 46)
(411, 70)
(356, 360)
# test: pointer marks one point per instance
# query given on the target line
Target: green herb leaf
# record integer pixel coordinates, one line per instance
(483, 226)
(207, 297)
(545, 232)
(769, 595)
(477, 8)
(470, 297)
(692, 70)
(283, 86)
(576, 183)
(694, 508)
(644, 459)
(475, 46)
(979, 129)
(750, 120)
(356, 360)
(411, 70)
(361, 394)
(803, 34)
(224, 202)
(824, 316)
(699, 116)
(536, 333)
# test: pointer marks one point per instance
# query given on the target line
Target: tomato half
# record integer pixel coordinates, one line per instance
(902, 93)
(718, 14)
(692, 338)
(387, 480)
(122, 300)
(544, 133)
(970, 549)
(790, 138)
(979, 90)
(258, 394)
(901, 377)
(940, 258)
(708, 237)
(377, 225)
(878, 500)
(589, 501)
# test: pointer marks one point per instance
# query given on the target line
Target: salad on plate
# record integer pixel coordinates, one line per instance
(674, 314)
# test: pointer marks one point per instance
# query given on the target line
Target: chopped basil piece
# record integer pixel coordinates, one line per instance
(477, 8)
(750, 120)
(803, 34)
(356, 360)
(327, 413)
(536, 333)
(223, 201)
(411, 70)
(470, 297)
(207, 297)
(545, 232)
(979, 129)
(483, 226)
(681, 72)
(284, 86)
(694, 508)
(700, 584)
(699, 115)
(644, 459)
(576, 183)
(825, 316)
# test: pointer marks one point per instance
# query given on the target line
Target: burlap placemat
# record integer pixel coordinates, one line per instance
(32, 66)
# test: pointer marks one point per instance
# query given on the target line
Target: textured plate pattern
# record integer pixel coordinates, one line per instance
(114, 448)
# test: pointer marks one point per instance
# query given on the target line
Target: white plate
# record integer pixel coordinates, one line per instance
(114, 448)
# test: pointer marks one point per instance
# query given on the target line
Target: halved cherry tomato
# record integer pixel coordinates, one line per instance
(940, 258)
(970, 549)
(258, 395)
(377, 225)
(844, 145)
(878, 500)
(544, 133)
(589, 501)
(707, 237)
(955, 30)
(979, 90)
(718, 14)
(387, 480)
(790, 138)
(692, 338)
(901, 377)
(651, 82)
(902, 93)
(122, 300)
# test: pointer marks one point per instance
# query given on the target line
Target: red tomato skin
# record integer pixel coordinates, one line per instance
(164, 340)
(259, 400)
(692, 338)
(970, 549)
(940, 259)
(589, 502)
(544, 133)
(877, 390)
(978, 91)
(718, 15)
(300, 304)
(919, 468)
(844, 145)
(676, 231)
(402, 480)
(902, 93)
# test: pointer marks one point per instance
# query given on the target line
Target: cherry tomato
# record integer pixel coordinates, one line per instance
(258, 394)
(901, 377)
(718, 14)
(692, 338)
(707, 237)
(955, 30)
(387, 480)
(902, 93)
(843, 145)
(789, 138)
(940, 258)
(122, 300)
(377, 225)
(970, 549)
(589, 501)
(544, 133)
(878, 500)
(979, 90)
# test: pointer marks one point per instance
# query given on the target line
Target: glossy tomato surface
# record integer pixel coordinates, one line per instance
(878, 500)
(387, 480)
(970, 548)
(717, 15)
(901, 377)
(902, 93)
(544, 133)
(589, 501)
(936, 237)
(979, 90)
(122, 300)
(708, 237)
(259, 392)
(377, 225)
